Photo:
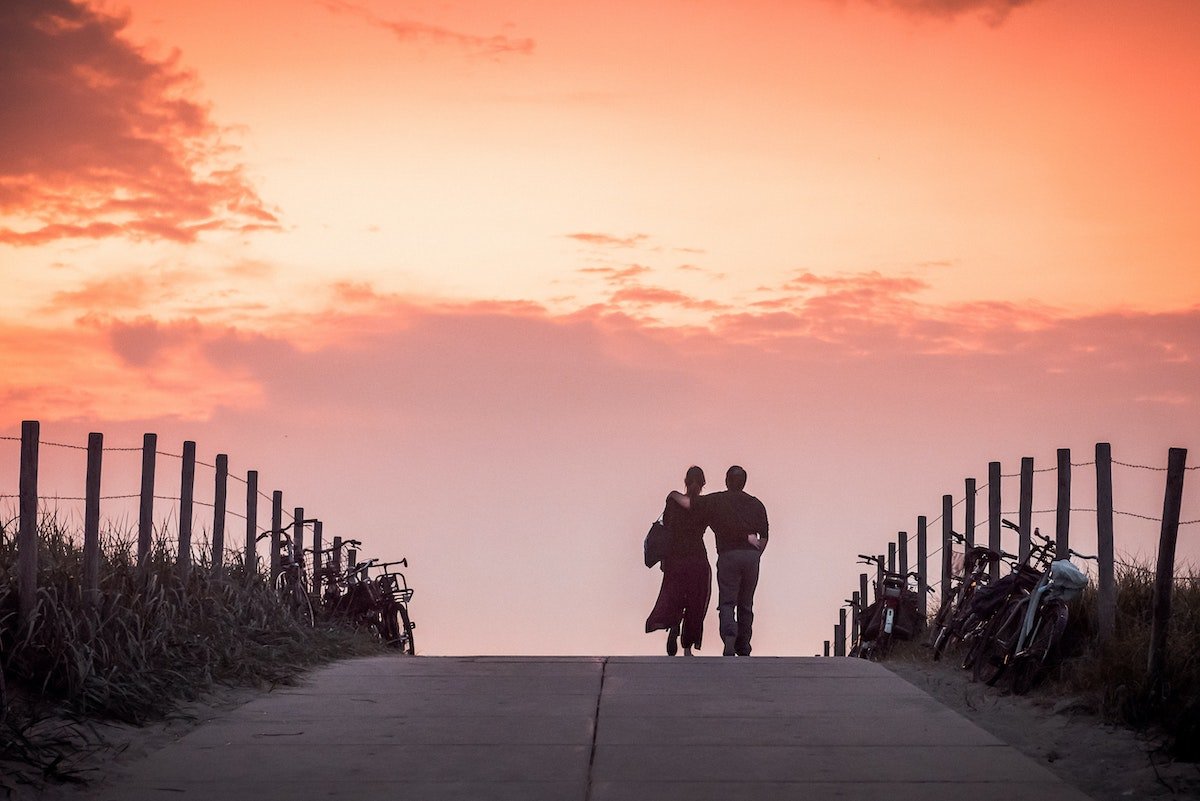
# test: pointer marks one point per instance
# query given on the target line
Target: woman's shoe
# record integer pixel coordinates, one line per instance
(673, 641)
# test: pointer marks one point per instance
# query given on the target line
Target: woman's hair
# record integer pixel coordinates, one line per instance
(694, 478)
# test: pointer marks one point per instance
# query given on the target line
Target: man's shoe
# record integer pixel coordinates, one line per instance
(673, 641)
(728, 641)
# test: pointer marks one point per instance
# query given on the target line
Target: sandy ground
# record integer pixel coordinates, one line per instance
(1106, 762)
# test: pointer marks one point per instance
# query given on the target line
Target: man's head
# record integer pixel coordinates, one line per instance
(735, 478)
(694, 478)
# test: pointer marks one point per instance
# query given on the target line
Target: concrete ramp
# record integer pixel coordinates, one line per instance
(591, 729)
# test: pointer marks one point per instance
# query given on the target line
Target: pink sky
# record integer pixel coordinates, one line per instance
(476, 283)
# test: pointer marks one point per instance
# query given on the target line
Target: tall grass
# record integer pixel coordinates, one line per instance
(141, 645)
(1114, 674)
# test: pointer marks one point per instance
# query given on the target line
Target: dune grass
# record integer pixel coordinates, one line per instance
(1113, 675)
(146, 642)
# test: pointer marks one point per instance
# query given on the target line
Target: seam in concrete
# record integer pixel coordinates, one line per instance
(595, 730)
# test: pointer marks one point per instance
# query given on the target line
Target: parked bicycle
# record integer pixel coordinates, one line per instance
(1025, 635)
(395, 592)
(893, 615)
(290, 584)
(378, 605)
(990, 599)
(954, 611)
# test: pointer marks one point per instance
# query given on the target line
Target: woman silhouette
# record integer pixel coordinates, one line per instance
(687, 577)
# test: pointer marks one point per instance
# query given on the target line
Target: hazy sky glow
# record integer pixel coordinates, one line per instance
(480, 280)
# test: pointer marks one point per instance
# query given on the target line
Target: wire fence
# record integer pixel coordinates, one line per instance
(1168, 521)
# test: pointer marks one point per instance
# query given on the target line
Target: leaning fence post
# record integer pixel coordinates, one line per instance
(298, 536)
(187, 485)
(251, 523)
(1025, 521)
(1106, 590)
(316, 561)
(146, 504)
(855, 615)
(994, 515)
(902, 552)
(1062, 519)
(1164, 578)
(922, 566)
(27, 532)
(276, 529)
(969, 520)
(947, 545)
(91, 518)
(219, 499)
(839, 642)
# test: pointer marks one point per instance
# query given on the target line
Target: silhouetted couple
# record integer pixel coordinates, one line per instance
(739, 523)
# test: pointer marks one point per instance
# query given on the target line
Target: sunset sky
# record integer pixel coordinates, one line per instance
(475, 282)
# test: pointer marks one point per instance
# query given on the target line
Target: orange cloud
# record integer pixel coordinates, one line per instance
(994, 12)
(411, 30)
(617, 275)
(608, 240)
(101, 139)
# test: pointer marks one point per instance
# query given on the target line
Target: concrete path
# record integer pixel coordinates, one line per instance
(591, 729)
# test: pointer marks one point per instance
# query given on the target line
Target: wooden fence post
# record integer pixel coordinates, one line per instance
(879, 565)
(187, 486)
(947, 545)
(276, 528)
(91, 518)
(316, 560)
(219, 499)
(994, 514)
(1025, 521)
(1106, 590)
(1062, 518)
(1164, 578)
(891, 557)
(27, 532)
(839, 643)
(855, 615)
(922, 566)
(298, 536)
(251, 523)
(337, 554)
(146, 504)
(902, 551)
(969, 521)
(827, 648)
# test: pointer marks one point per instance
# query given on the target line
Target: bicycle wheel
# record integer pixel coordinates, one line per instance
(941, 625)
(997, 644)
(1030, 665)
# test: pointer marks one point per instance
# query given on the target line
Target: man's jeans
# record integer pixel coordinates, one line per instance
(737, 576)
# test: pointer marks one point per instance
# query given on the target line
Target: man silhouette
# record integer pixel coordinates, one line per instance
(739, 521)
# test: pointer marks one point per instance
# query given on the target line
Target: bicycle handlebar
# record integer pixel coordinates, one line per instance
(403, 561)
(1073, 552)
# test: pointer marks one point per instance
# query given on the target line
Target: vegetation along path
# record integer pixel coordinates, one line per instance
(590, 728)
